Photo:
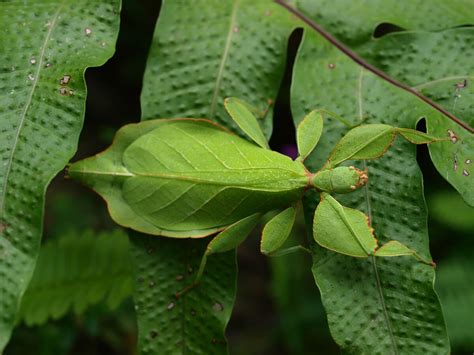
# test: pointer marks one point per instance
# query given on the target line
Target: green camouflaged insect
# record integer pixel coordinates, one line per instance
(191, 178)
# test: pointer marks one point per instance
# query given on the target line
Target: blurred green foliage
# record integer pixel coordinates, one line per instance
(75, 272)
(449, 209)
(455, 285)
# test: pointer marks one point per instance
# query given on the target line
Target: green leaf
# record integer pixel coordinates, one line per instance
(246, 120)
(195, 322)
(231, 237)
(454, 159)
(372, 293)
(277, 230)
(45, 48)
(75, 272)
(188, 178)
(367, 302)
(182, 82)
(342, 229)
(440, 69)
(308, 133)
(371, 141)
(434, 64)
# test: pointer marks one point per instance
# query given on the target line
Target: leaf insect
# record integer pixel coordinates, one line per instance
(192, 178)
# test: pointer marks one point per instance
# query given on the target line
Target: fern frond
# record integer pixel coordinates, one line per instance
(75, 272)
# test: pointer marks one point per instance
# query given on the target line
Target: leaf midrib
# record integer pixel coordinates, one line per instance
(225, 54)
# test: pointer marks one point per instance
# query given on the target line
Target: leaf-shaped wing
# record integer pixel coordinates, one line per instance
(342, 229)
(371, 141)
(246, 120)
(231, 237)
(277, 230)
(308, 133)
(188, 178)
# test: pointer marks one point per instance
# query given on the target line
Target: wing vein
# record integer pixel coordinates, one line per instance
(233, 209)
(212, 197)
(180, 154)
(242, 154)
(205, 147)
(173, 200)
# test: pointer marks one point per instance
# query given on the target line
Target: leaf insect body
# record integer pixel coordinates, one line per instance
(190, 178)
